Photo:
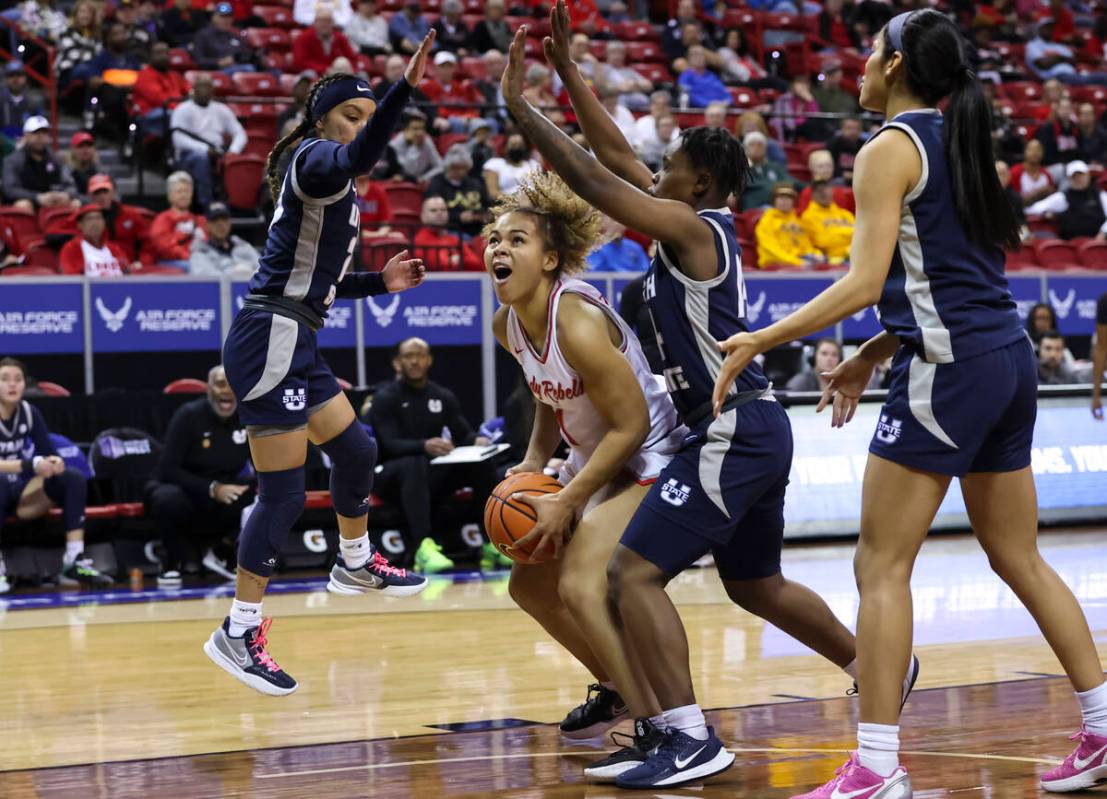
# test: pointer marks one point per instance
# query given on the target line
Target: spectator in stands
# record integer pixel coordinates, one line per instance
(457, 99)
(764, 174)
(844, 147)
(82, 160)
(147, 18)
(618, 253)
(174, 230)
(17, 105)
(830, 95)
(158, 88)
(790, 112)
(1080, 210)
(203, 482)
(714, 116)
(672, 38)
(466, 197)
(1091, 138)
(750, 121)
(632, 87)
(480, 146)
(1052, 369)
(138, 38)
(698, 84)
(580, 52)
(411, 154)
(368, 30)
(375, 208)
(1048, 59)
(1041, 319)
(539, 93)
(222, 253)
(441, 250)
(652, 150)
(90, 253)
(82, 40)
(394, 68)
(740, 66)
(489, 86)
(1029, 178)
(306, 11)
(781, 236)
(624, 120)
(1059, 134)
(452, 34)
(492, 32)
(33, 477)
(645, 127)
(34, 177)
(317, 47)
(820, 163)
(201, 128)
(501, 175)
(1003, 171)
(182, 22)
(692, 36)
(294, 113)
(113, 56)
(219, 47)
(409, 417)
(835, 27)
(407, 28)
(40, 18)
(826, 357)
(124, 225)
(828, 225)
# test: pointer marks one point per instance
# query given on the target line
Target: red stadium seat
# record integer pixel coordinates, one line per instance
(52, 389)
(260, 143)
(220, 80)
(376, 252)
(658, 73)
(39, 254)
(23, 223)
(1022, 91)
(742, 98)
(473, 68)
(59, 219)
(783, 21)
(181, 60)
(687, 119)
(448, 140)
(1093, 254)
(646, 52)
(637, 32)
(1021, 259)
(405, 197)
(1055, 254)
(276, 17)
(750, 219)
(260, 84)
(275, 39)
(242, 175)
(598, 49)
(26, 271)
(186, 385)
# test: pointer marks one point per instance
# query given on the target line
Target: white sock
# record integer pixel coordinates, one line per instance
(851, 669)
(72, 550)
(1093, 706)
(878, 747)
(355, 551)
(659, 722)
(688, 720)
(244, 616)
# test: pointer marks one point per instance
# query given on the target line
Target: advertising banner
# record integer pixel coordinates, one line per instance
(439, 312)
(43, 318)
(155, 316)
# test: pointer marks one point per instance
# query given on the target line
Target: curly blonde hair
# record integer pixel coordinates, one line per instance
(570, 226)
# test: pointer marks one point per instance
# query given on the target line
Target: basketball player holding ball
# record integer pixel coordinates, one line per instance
(593, 387)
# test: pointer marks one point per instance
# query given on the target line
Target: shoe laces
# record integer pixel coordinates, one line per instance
(260, 646)
(383, 567)
(1080, 734)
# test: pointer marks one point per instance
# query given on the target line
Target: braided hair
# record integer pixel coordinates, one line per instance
(297, 133)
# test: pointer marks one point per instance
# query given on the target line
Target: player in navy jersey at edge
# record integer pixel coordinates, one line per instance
(963, 395)
(287, 393)
(724, 490)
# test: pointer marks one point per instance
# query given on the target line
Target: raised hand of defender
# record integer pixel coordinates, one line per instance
(511, 84)
(402, 273)
(845, 384)
(556, 45)
(417, 66)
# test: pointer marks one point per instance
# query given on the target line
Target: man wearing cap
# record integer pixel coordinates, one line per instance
(90, 253)
(407, 28)
(763, 174)
(317, 47)
(201, 127)
(157, 88)
(218, 46)
(1080, 210)
(781, 236)
(82, 160)
(457, 99)
(16, 105)
(124, 225)
(466, 197)
(222, 253)
(34, 177)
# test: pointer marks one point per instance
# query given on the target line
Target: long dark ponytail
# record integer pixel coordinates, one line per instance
(272, 176)
(936, 67)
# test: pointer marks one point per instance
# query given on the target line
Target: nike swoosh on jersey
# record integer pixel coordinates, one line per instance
(1080, 765)
(682, 763)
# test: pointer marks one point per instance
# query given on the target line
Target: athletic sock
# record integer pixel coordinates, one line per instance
(73, 550)
(355, 551)
(851, 669)
(688, 720)
(659, 722)
(878, 747)
(244, 616)
(1093, 706)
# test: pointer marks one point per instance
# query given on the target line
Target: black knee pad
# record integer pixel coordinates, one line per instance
(280, 503)
(69, 491)
(353, 454)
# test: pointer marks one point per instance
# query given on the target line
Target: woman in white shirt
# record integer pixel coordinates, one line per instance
(368, 30)
(501, 175)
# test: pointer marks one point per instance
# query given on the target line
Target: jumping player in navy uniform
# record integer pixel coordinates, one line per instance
(931, 221)
(33, 477)
(287, 394)
(734, 503)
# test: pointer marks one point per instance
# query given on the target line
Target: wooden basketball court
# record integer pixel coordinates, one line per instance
(457, 693)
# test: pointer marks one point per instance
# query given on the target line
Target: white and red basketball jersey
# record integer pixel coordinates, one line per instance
(554, 382)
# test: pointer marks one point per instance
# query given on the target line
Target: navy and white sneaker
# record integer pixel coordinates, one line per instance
(908, 682)
(601, 710)
(247, 659)
(680, 759)
(376, 575)
(636, 751)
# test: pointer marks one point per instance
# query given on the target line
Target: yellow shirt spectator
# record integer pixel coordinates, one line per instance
(829, 226)
(781, 237)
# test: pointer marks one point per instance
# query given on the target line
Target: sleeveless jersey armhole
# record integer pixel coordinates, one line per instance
(722, 249)
(610, 316)
(924, 174)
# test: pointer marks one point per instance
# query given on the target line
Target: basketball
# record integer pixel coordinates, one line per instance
(508, 520)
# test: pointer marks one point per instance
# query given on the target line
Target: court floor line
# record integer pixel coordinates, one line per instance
(599, 753)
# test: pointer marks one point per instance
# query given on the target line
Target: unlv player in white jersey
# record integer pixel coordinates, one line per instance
(592, 387)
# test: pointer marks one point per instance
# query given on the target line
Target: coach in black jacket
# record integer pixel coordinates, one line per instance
(414, 421)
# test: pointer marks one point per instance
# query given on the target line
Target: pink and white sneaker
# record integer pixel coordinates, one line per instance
(1084, 768)
(854, 781)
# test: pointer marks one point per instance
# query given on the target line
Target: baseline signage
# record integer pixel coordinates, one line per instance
(155, 317)
(1074, 300)
(770, 299)
(1026, 291)
(438, 311)
(339, 328)
(39, 319)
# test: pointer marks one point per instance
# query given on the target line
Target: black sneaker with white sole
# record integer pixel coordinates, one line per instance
(247, 658)
(171, 578)
(908, 682)
(601, 711)
(217, 565)
(82, 572)
(376, 575)
(636, 750)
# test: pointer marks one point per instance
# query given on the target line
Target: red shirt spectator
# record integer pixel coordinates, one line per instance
(317, 47)
(442, 251)
(372, 200)
(126, 225)
(89, 254)
(157, 83)
(448, 91)
(172, 232)
(585, 16)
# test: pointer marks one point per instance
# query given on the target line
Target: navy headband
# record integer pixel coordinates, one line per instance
(895, 30)
(339, 92)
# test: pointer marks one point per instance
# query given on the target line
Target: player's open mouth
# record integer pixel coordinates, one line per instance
(501, 273)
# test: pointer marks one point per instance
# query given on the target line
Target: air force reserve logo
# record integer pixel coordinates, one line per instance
(675, 492)
(295, 399)
(753, 309)
(113, 320)
(385, 315)
(1063, 306)
(888, 430)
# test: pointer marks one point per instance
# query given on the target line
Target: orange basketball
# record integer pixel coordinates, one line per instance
(508, 520)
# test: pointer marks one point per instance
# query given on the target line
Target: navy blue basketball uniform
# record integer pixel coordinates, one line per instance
(724, 490)
(963, 390)
(271, 355)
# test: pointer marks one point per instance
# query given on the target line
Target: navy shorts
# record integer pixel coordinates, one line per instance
(975, 415)
(722, 493)
(275, 369)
